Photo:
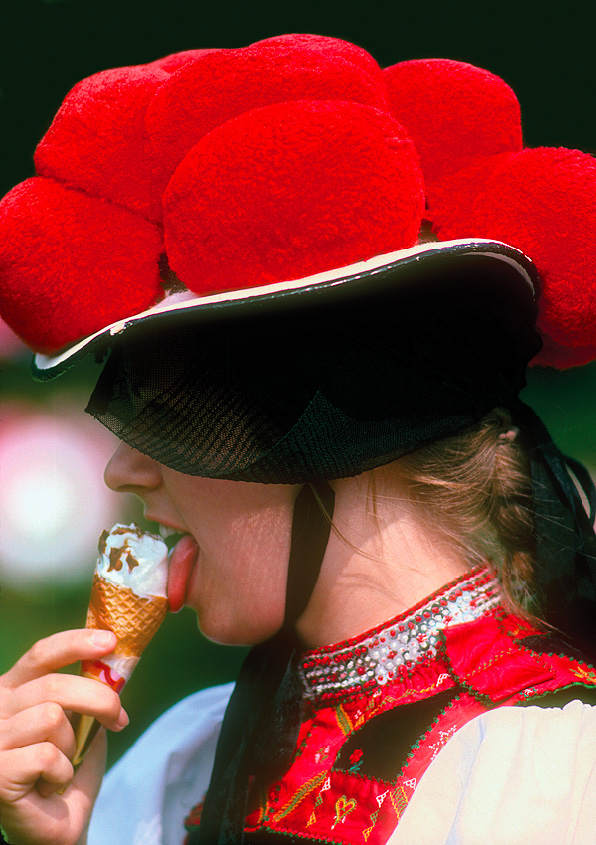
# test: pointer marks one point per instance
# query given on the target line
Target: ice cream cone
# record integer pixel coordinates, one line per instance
(134, 620)
(116, 607)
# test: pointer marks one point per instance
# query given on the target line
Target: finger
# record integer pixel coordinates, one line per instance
(58, 651)
(71, 692)
(40, 723)
(45, 788)
(23, 767)
(88, 777)
(58, 818)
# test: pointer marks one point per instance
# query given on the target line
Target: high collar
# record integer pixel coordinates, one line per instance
(377, 656)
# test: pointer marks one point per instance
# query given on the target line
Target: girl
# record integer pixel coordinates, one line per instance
(305, 277)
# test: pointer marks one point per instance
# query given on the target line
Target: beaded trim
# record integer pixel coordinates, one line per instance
(378, 656)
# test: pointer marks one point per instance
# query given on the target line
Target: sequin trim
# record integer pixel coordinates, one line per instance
(378, 656)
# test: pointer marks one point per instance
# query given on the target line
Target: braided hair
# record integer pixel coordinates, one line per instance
(474, 490)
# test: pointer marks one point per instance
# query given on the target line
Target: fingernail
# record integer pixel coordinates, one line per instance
(102, 638)
(123, 720)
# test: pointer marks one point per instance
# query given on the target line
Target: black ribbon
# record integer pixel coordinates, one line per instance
(262, 720)
(565, 540)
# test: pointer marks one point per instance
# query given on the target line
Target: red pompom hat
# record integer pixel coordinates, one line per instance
(296, 172)
(215, 176)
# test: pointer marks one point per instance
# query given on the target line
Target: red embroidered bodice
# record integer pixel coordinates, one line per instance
(378, 709)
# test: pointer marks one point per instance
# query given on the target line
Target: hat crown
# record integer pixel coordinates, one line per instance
(268, 163)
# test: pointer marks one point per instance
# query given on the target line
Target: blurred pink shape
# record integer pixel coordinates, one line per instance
(11, 346)
(53, 501)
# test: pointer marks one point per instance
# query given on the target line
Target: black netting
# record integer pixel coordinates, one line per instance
(329, 387)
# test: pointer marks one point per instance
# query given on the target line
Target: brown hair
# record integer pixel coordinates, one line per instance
(475, 490)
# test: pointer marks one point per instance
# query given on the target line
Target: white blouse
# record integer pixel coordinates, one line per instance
(146, 796)
(513, 775)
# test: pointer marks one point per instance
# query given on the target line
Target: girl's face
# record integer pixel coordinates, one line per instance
(231, 565)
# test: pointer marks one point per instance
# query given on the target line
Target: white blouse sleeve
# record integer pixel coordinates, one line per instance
(513, 776)
(146, 796)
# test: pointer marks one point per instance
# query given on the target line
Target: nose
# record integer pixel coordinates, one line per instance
(130, 471)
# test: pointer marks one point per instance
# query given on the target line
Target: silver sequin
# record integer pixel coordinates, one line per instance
(403, 641)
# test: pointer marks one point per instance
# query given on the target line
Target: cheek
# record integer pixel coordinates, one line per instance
(238, 587)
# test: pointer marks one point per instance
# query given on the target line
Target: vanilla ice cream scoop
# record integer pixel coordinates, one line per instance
(138, 560)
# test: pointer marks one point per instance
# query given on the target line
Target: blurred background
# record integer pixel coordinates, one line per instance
(52, 501)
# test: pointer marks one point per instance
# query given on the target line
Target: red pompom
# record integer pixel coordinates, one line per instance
(225, 83)
(454, 113)
(344, 51)
(98, 142)
(71, 264)
(542, 201)
(289, 190)
(172, 62)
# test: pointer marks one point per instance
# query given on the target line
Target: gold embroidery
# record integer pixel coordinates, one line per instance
(304, 790)
(343, 807)
(343, 720)
(583, 674)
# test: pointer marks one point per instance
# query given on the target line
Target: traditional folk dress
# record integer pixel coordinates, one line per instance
(379, 711)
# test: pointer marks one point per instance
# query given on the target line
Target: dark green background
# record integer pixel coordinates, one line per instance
(543, 51)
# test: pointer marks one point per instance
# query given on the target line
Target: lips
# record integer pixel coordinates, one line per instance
(182, 560)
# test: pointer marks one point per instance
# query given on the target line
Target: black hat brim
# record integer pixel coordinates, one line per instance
(362, 279)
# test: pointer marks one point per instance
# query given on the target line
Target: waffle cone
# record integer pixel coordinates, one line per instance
(132, 618)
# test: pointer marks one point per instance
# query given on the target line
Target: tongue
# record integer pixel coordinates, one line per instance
(182, 560)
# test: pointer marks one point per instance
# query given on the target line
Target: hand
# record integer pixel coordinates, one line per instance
(37, 740)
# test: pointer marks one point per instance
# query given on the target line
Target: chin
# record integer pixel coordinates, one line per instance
(238, 632)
